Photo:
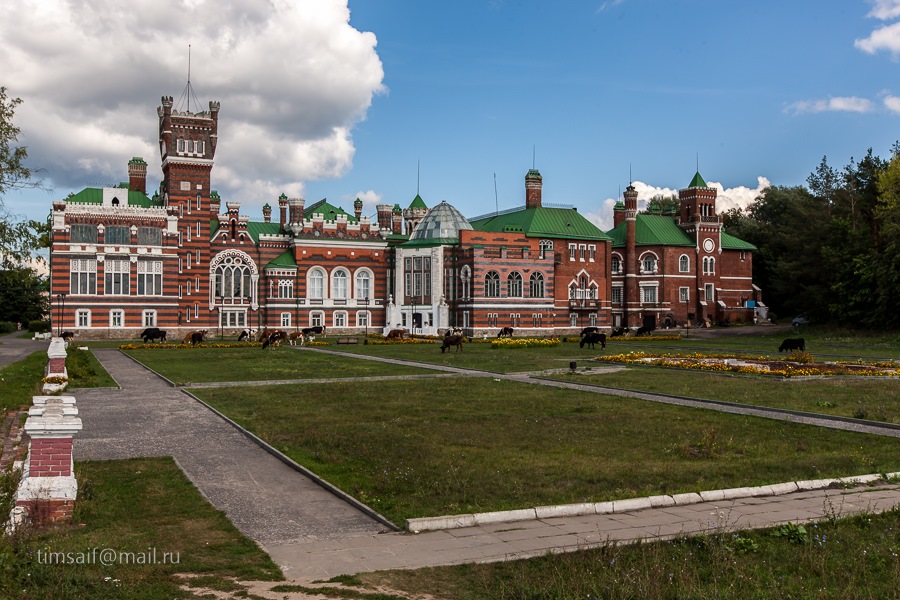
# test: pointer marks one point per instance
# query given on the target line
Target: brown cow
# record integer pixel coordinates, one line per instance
(396, 334)
(295, 336)
(194, 337)
(452, 340)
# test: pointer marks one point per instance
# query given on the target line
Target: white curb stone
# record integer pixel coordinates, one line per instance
(564, 510)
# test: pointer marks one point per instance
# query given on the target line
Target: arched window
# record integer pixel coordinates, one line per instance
(684, 264)
(465, 283)
(316, 287)
(363, 285)
(616, 264)
(232, 280)
(649, 263)
(492, 285)
(339, 284)
(285, 288)
(546, 246)
(514, 285)
(536, 283)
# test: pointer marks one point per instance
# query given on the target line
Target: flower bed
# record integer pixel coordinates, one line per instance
(759, 365)
(188, 346)
(516, 343)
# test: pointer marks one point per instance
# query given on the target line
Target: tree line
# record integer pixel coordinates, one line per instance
(830, 249)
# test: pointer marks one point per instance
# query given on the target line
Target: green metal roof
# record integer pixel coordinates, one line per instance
(255, 229)
(329, 211)
(729, 242)
(137, 160)
(283, 261)
(95, 196)
(543, 222)
(697, 181)
(652, 230)
(418, 203)
(429, 242)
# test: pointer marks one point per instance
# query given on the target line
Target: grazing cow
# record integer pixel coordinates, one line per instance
(452, 340)
(643, 331)
(505, 332)
(195, 337)
(315, 330)
(620, 332)
(593, 338)
(588, 330)
(792, 344)
(263, 334)
(396, 334)
(453, 331)
(246, 335)
(297, 335)
(153, 333)
(67, 336)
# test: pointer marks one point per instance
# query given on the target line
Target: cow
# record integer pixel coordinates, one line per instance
(246, 335)
(452, 340)
(505, 332)
(297, 335)
(67, 336)
(620, 332)
(791, 344)
(588, 330)
(194, 337)
(152, 334)
(453, 331)
(593, 338)
(314, 330)
(643, 331)
(396, 334)
(264, 334)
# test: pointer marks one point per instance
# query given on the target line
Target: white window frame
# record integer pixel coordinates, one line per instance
(150, 278)
(684, 294)
(116, 276)
(285, 319)
(83, 317)
(315, 283)
(362, 284)
(339, 318)
(340, 284)
(316, 318)
(646, 294)
(363, 318)
(684, 264)
(148, 317)
(617, 294)
(116, 318)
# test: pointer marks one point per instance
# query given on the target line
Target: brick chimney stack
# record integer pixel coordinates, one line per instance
(137, 175)
(533, 184)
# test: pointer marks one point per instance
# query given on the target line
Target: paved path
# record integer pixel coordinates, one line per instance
(13, 348)
(312, 534)
(263, 497)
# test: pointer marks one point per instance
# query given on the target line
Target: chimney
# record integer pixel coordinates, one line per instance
(397, 219)
(384, 216)
(282, 209)
(357, 208)
(267, 213)
(533, 183)
(631, 196)
(137, 175)
(296, 209)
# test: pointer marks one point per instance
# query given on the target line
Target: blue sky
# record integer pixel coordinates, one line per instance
(469, 90)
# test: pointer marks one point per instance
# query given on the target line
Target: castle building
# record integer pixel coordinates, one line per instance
(122, 260)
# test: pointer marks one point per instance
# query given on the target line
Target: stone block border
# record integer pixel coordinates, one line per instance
(632, 504)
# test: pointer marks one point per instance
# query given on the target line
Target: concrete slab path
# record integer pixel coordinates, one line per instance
(13, 348)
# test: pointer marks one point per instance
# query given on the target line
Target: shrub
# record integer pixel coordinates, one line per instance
(7, 327)
(39, 326)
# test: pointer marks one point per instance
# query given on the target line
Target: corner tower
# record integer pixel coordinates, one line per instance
(187, 146)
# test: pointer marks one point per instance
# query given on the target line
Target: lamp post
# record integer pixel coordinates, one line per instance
(366, 337)
(59, 315)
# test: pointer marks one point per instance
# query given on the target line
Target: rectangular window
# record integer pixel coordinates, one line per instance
(83, 276)
(683, 294)
(148, 318)
(115, 271)
(117, 234)
(572, 248)
(188, 233)
(408, 264)
(83, 234)
(285, 319)
(710, 292)
(581, 250)
(362, 319)
(573, 320)
(198, 229)
(743, 255)
(83, 318)
(407, 289)
(592, 250)
(188, 259)
(617, 295)
(198, 201)
(196, 284)
(149, 236)
(198, 257)
(180, 239)
(316, 319)
(149, 274)
(116, 318)
(648, 295)
(593, 319)
(340, 319)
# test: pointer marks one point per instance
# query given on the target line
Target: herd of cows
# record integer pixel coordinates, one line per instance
(590, 336)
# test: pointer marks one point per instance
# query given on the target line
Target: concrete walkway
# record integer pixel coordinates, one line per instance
(267, 500)
(312, 534)
(13, 348)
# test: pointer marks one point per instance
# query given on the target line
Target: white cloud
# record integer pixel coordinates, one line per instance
(836, 104)
(885, 9)
(293, 78)
(892, 103)
(883, 38)
(370, 199)
(726, 199)
(607, 4)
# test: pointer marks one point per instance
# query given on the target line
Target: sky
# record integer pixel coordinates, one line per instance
(384, 99)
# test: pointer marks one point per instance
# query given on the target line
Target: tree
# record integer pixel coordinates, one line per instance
(18, 238)
(22, 295)
(660, 205)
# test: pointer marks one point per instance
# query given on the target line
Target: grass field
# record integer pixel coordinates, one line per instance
(132, 506)
(85, 371)
(21, 380)
(191, 365)
(839, 559)
(479, 444)
(860, 397)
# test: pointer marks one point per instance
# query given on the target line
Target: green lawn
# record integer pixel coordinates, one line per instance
(192, 365)
(841, 559)
(21, 380)
(479, 444)
(132, 506)
(85, 371)
(862, 397)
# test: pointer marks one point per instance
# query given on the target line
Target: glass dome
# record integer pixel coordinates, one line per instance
(441, 222)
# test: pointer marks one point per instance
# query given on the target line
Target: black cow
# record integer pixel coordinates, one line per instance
(246, 335)
(620, 332)
(593, 338)
(153, 334)
(197, 337)
(317, 330)
(67, 336)
(643, 331)
(588, 330)
(274, 338)
(792, 344)
(505, 332)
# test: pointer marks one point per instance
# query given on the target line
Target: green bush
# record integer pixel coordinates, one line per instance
(39, 326)
(7, 327)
